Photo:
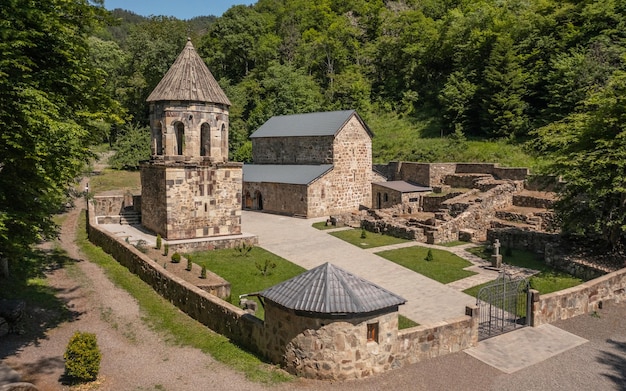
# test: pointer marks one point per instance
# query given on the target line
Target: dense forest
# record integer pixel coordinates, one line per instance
(429, 76)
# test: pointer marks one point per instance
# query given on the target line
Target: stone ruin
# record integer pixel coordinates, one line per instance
(468, 200)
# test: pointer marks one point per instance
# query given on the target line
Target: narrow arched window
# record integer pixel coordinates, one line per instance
(180, 138)
(205, 140)
(158, 140)
(224, 145)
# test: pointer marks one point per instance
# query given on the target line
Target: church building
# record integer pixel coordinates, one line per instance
(189, 188)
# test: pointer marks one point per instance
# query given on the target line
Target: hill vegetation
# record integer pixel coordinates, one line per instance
(470, 80)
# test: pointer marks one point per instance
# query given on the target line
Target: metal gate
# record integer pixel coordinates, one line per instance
(503, 306)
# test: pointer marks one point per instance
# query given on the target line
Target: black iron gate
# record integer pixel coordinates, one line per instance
(503, 306)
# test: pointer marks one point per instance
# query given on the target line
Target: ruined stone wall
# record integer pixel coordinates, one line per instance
(164, 116)
(384, 197)
(512, 173)
(578, 300)
(280, 198)
(293, 150)
(522, 239)
(426, 174)
(108, 205)
(477, 213)
(192, 201)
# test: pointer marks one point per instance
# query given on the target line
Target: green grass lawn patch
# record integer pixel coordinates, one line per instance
(405, 323)
(176, 326)
(547, 281)
(115, 180)
(243, 271)
(371, 239)
(445, 266)
(321, 225)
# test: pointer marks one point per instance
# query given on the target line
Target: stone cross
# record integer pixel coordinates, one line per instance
(496, 247)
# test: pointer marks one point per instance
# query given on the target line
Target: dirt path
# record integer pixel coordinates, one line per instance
(133, 356)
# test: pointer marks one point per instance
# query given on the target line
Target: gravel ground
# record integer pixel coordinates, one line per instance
(137, 358)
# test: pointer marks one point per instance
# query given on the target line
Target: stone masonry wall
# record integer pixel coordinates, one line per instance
(522, 239)
(164, 117)
(219, 315)
(351, 177)
(293, 150)
(200, 200)
(512, 173)
(278, 198)
(578, 300)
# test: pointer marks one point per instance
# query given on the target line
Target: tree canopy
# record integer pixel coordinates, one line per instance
(51, 98)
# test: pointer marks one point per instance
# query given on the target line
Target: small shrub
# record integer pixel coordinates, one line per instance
(82, 357)
(127, 240)
(429, 256)
(176, 258)
(189, 263)
(158, 242)
(203, 272)
(244, 249)
(266, 267)
(142, 246)
(363, 233)
(166, 249)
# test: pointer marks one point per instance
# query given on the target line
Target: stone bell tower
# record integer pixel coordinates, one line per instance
(189, 188)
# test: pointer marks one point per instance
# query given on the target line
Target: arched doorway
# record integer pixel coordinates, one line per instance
(248, 201)
(180, 138)
(259, 200)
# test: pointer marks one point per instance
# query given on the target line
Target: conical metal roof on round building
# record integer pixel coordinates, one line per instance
(189, 79)
(328, 290)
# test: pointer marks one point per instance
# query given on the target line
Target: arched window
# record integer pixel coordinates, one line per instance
(205, 140)
(158, 140)
(259, 200)
(224, 143)
(180, 138)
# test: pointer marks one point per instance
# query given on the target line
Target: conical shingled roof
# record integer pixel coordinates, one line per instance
(189, 79)
(330, 290)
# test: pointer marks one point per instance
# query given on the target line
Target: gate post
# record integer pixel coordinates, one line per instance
(473, 312)
(533, 296)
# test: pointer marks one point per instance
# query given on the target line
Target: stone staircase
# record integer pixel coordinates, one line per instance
(130, 217)
(531, 211)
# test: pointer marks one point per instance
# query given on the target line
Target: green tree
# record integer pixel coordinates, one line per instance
(131, 147)
(588, 149)
(50, 92)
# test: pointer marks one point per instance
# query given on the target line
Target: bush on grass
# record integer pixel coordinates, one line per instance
(82, 357)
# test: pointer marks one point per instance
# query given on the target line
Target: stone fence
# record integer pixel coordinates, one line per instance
(582, 299)
(406, 347)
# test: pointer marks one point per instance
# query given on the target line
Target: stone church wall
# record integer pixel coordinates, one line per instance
(293, 150)
(279, 198)
(181, 201)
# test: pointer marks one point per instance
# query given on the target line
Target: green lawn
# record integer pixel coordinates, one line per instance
(405, 323)
(548, 280)
(445, 266)
(321, 225)
(353, 236)
(242, 273)
(115, 180)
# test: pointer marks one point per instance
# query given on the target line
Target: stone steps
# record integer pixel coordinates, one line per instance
(130, 218)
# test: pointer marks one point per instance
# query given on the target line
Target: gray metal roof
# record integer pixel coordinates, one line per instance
(328, 289)
(189, 79)
(279, 173)
(309, 124)
(403, 187)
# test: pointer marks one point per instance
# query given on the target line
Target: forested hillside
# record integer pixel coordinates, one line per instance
(430, 77)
